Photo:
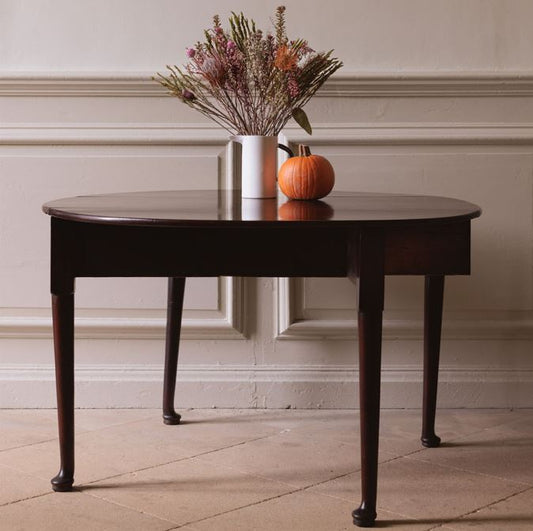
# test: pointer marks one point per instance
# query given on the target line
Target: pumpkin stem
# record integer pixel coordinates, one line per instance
(303, 150)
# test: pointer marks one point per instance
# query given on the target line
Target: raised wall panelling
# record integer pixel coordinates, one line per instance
(279, 342)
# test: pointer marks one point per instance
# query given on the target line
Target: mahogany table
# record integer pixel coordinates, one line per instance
(213, 233)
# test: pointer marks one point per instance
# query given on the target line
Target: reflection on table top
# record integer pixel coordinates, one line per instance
(213, 207)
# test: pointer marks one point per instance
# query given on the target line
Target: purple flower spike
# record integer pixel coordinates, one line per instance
(230, 46)
(188, 95)
(190, 52)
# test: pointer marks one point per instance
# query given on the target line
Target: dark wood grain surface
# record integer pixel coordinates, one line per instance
(211, 207)
(180, 234)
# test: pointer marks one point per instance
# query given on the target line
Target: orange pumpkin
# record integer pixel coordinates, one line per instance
(306, 176)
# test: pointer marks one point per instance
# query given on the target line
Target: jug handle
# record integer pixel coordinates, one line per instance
(286, 149)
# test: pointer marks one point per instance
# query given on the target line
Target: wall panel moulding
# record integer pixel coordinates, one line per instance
(226, 322)
(345, 84)
(292, 323)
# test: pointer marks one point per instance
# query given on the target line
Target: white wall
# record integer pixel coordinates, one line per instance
(436, 97)
(369, 35)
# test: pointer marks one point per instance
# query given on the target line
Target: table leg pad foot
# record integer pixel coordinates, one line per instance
(430, 441)
(364, 517)
(62, 483)
(171, 418)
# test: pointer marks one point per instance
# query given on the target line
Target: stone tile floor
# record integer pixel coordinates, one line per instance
(283, 470)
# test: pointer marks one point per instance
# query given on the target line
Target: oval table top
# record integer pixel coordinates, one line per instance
(216, 207)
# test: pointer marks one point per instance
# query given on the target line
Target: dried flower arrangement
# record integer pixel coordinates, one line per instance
(248, 82)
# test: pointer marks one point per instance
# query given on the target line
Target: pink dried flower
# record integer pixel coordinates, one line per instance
(213, 70)
(187, 95)
(230, 46)
(293, 88)
(190, 52)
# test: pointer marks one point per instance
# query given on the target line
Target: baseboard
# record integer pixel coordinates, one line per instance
(140, 386)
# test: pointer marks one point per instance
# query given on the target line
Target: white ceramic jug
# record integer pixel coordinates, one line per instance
(259, 165)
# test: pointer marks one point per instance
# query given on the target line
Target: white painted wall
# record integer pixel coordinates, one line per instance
(370, 35)
(436, 97)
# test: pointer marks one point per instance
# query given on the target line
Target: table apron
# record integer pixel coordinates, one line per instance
(98, 250)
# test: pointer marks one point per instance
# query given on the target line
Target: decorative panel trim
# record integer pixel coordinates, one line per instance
(272, 386)
(225, 323)
(343, 84)
(349, 134)
(78, 84)
(151, 134)
(430, 84)
(414, 134)
(466, 325)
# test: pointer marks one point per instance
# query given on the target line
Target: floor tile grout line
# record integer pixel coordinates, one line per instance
(300, 489)
(294, 491)
(481, 430)
(163, 464)
(36, 443)
(469, 471)
(13, 502)
(19, 471)
(305, 487)
(80, 488)
(87, 431)
(213, 515)
(342, 476)
(111, 426)
(495, 426)
(79, 491)
(181, 526)
(194, 456)
(458, 519)
(528, 487)
(394, 458)
(259, 502)
(422, 451)
(133, 509)
(250, 474)
(79, 434)
(95, 497)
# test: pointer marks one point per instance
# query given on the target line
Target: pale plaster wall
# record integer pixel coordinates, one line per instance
(370, 35)
(436, 97)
